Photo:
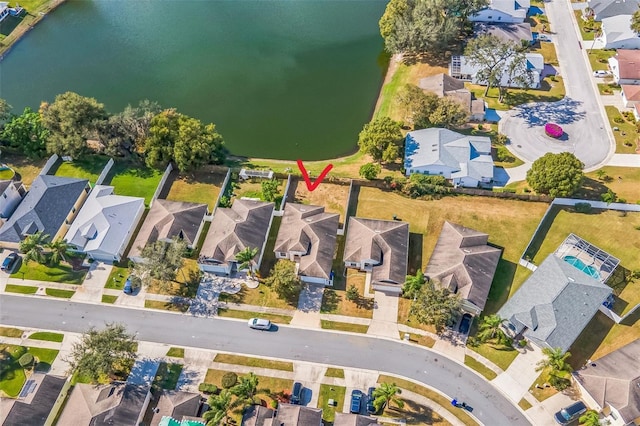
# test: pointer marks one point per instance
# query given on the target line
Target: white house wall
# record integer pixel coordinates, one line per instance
(493, 15)
(315, 280)
(629, 43)
(434, 169)
(9, 201)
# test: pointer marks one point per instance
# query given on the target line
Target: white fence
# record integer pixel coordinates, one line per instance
(105, 171)
(165, 176)
(49, 164)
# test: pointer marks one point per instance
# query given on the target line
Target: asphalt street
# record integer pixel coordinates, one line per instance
(428, 367)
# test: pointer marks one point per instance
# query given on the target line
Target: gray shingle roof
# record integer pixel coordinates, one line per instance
(555, 303)
(348, 419)
(608, 8)
(176, 404)
(35, 412)
(505, 32)
(44, 208)
(384, 241)
(614, 380)
(257, 415)
(297, 415)
(463, 262)
(309, 229)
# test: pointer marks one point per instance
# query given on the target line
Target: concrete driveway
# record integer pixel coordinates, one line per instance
(580, 114)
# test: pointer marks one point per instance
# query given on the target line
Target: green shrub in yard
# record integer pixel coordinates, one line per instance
(25, 360)
(583, 207)
(229, 380)
(207, 388)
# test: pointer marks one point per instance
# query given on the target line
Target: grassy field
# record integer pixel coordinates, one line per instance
(10, 332)
(334, 301)
(548, 51)
(107, 298)
(176, 352)
(334, 372)
(62, 273)
(509, 223)
(47, 336)
(233, 313)
(7, 174)
(598, 58)
(344, 326)
(261, 296)
(185, 284)
(166, 306)
(88, 168)
(117, 277)
(608, 88)
(626, 134)
(26, 169)
(332, 197)
(472, 363)
(197, 187)
(327, 392)
(167, 376)
(549, 91)
(22, 289)
(63, 294)
(592, 26)
(254, 362)
(404, 316)
(134, 180)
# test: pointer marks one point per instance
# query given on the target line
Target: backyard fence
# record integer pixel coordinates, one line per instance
(223, 189)
(285, 198)
(163, 180)
(52, 161)
(105, 171)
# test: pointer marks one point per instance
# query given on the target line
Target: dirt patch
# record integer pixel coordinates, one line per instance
(332, 197)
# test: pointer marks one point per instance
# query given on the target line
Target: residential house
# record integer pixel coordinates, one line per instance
(554, 304)
(630, 95)
(257, 415)
(602, 9)
(50, 206)
(533, 65)
(167, 220)
(297, 415)
(625, 66)
(515, 32)
(176, 405)
(636, 111)
(118, 403)
(617, 33)
(244, 225)
(381, 248)
(465, 160)
(38, 396)
(464, 263)
(11, 194)
(4, 10)
(347, 419)
(444, 85)
(611, 384)
(503, 11)
(105, 224)
(307, 236)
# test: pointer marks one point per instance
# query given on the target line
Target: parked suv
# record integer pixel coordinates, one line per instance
(570, 413)
(9, 262)
(371, 409)
(296, 393)
(356, 401)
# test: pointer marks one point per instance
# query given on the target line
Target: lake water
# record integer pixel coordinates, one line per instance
(281, 79)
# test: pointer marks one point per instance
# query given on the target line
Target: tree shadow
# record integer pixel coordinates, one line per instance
(541, 234)
(565, 111)
(591, 189)
(415, 252)
(501, 285)
(589, 340)
(330, 300)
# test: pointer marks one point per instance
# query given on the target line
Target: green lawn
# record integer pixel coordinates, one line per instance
(47, 336)
(134, 180)
(117, 277)
(14, 377)
(551, 90)
(254, 362)
(176, 352)
(626, 134)
(500, 355)
(344, 326)
(599, 58)
(166, 306)
(548, 51)
(608, 88)
(543, 390)
(263, 295)
(197, 187)
(275, 318)
(45, 357)
(587, 29)
(64, 294)
(524, 404)
(107, 298)
(22, 289)
(334, 300)
(472, 363)
(167, 376)
(62, 273)
(334, 372)
(10, 332)
(89, 168)
(327, 392)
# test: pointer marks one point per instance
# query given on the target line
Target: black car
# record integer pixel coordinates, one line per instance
(570, 413)
(9, 262)
(296, 393)
(371, 409)
(465, 324)
(356, 401)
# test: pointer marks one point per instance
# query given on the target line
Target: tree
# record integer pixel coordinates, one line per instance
(123, 131)
(284, 280)
(416, 105)
(435, 306)
(433, 186)
(385, 394)
(609, 196)
(370, 171)
(500, 139)
(600, 173)
(556, 362)
(413, 284)
(381, 138)
(26, 133)
(448, 113)
(559, 175)
(352, 293)
(269, 189)
(72, 119)
(33, 247)
(635, 21)
(590, 418)
(246, 389)
(161, 262)
(59, 249)
(218, 408)
(245, 258)
(102, 354)
(490, 328)
(5, 110)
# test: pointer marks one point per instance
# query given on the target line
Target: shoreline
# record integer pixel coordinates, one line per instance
(23, 27)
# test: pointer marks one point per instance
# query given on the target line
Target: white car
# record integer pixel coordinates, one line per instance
(259, 324)
(600, 73)
(543, 37)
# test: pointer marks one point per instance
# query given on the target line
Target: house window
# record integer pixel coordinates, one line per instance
(73, 210)
(440, 172)
(4, 195)
(489, 17)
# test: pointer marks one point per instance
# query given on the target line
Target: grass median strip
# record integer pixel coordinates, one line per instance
(47, 336)
(64, 294)
(344, 326)
(334, 372)
(22, 289)
(10, 332)
(166, 306)
(419, 339)
(176, 352)
(476, 365)
(233, 313)
(107, 298)
(524, 404)
(254, 362)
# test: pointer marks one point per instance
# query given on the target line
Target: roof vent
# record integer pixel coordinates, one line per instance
(571, 279)
(466, 250)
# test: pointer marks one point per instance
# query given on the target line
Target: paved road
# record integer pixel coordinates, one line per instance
(579, 113)
(490, 407)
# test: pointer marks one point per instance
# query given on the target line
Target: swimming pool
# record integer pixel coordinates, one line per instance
(579, 264)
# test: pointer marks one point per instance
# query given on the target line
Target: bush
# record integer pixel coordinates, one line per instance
(207, 388)
(274, 404)
(25, 360)
(618, 120)
(522, 343)
(370, 171)
(583, 207)
(480, 127)
(224, 201)
(229, 380)
(419, 185)
(500, 139)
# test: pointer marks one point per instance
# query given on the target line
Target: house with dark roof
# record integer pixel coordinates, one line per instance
(49, 207)
(307, 236)
(257, 415)
(555, 303)
(118, 403)
(245, 224)
(105, 224)
(611, 384)
(444, 85)
(297, 415)
(509, 32)
(464, 263)
(167, 220)
(601, 9)
(11, 194)
(348, 419)
(35, 402)
(381, 248)
(465, 160)
(625, 66)
(176, 405)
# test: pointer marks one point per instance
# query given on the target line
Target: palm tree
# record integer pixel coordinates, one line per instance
(385, 394)
(555, 359)
(59, 249)
(246, 389)
(413, 284)
(218, 408)
(33, 247)
(491, 328)
(590, 418)
(245, 257)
